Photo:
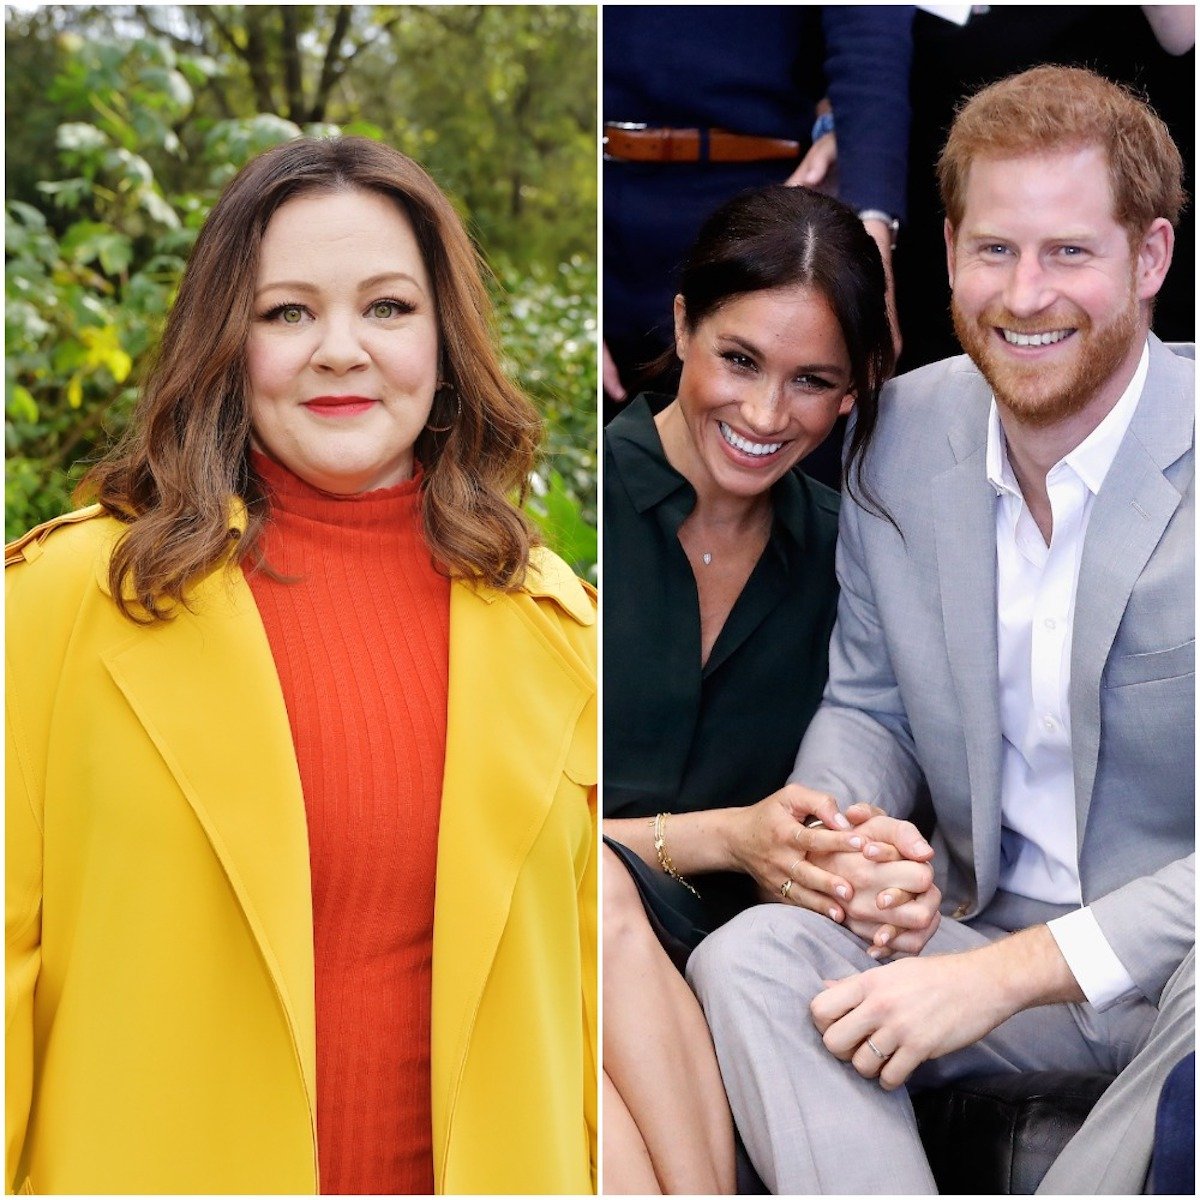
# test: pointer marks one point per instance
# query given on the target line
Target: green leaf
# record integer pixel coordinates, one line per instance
(116, 253)
(171, 86)
(158, 209)
(133, 170)
(68, 355)
(67, 193)
(558, 514)
(361, 128)
(28, 214)
(199, 68)
(21, 405)
(155, 50)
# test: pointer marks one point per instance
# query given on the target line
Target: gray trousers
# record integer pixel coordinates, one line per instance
(813, 1125)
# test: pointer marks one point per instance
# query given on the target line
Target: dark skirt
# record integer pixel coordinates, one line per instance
(680, 920)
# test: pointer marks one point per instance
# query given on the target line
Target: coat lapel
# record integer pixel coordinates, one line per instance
(965, 523)
(514, 703)
(205, 688)
(1131, 512)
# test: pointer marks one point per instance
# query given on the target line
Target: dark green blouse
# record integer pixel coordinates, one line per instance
(678, 738)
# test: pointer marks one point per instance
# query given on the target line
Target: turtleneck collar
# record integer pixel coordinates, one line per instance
(291, 496)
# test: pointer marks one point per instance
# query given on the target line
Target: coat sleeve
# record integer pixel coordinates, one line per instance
(859, 747)
(1150, 924)
(22, 934)
(868, 55)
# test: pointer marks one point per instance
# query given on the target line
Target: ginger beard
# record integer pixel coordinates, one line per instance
(1043, 393)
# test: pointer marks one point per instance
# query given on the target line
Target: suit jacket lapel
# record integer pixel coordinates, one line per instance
(1131, 511)
(204, 687)
(514, 703)
(965, 523)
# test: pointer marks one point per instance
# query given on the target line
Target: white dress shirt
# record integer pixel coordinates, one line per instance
(1035, 593)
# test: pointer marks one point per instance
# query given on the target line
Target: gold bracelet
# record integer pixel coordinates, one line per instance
(664, 859)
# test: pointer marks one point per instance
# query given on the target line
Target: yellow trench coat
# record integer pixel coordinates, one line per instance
(159, 998)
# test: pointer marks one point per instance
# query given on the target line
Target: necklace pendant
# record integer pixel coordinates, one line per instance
(706, 559)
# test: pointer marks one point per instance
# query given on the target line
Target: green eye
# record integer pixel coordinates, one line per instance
(292, 314)
(383, 309)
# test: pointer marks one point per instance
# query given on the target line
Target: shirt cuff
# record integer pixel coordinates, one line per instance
(1098, 971)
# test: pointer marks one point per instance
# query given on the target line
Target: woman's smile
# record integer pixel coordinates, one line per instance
(745, 446)
(765, 377)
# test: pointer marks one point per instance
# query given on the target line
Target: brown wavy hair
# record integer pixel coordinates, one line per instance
(1062, 108)
(186, 452)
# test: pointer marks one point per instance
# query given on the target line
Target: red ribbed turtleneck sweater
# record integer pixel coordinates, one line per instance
(361, 643)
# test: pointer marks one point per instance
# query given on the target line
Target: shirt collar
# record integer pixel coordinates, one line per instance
(1091, 459)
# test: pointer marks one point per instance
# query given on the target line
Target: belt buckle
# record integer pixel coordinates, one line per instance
(619, 125)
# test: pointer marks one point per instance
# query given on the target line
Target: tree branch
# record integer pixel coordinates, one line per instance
(293, 78)
(332, 68)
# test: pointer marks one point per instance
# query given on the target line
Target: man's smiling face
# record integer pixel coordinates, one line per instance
(1045, 284)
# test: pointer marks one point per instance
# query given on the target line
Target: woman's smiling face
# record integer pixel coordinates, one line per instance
(342, 358)
(764, 379)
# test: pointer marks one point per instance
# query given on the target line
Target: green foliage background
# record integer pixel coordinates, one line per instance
(124, 121)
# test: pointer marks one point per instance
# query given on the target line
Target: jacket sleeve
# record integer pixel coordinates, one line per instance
(859, 747)
(1150, 923)
(868, 56)
(22, 934)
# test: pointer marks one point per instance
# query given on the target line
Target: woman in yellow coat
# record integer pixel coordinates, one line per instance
(164, 856)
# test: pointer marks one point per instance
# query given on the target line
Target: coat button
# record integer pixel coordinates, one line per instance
(961, 911)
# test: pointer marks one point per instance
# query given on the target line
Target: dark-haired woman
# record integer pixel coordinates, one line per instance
(719, 601)
(301, 848)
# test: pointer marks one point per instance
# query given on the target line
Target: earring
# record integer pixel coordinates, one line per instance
(444, 386)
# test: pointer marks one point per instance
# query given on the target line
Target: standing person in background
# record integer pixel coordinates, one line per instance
(301, 851)
(701, 102)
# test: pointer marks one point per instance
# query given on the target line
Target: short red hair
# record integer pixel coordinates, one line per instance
(1064, 108)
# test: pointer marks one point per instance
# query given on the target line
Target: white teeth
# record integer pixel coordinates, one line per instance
(756, 448)
(1035, 339)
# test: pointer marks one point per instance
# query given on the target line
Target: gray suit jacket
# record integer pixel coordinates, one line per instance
(913, 694)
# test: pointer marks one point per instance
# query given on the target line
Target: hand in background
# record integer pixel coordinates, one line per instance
(613, 387)
(817, 165)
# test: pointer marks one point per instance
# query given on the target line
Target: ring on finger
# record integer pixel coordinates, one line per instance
(879, 1054)
(786, 887)
(795, 868)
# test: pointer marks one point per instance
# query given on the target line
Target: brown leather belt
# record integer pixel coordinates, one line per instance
(638, 143)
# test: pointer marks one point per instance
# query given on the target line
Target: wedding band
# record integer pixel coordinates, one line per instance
(877, 1052)
(785, 887)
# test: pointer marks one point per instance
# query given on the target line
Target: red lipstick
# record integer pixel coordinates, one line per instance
(339, 406)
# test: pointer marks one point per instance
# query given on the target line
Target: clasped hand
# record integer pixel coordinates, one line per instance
(864, 869)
